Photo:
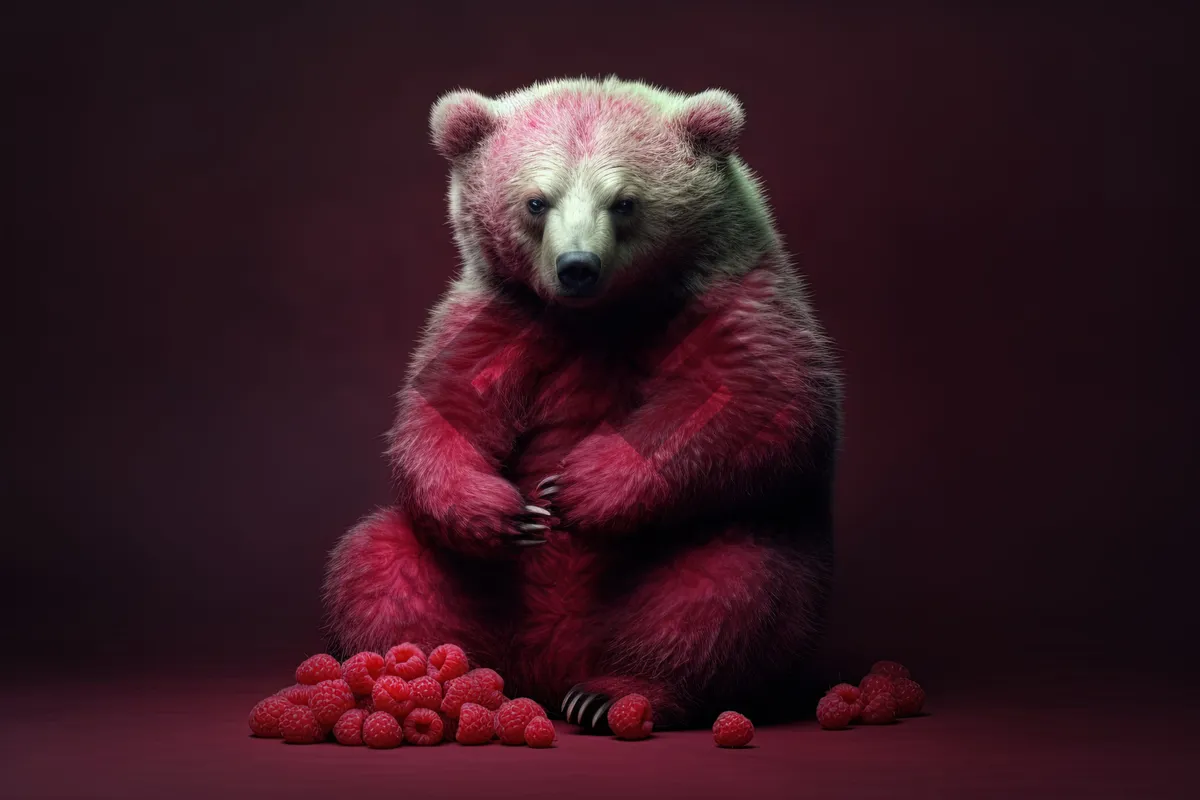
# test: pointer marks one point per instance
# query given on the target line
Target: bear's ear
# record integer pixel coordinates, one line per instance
(713, 121)
(459, 121)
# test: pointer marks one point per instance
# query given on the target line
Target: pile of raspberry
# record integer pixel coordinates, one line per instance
(402, 696)
(886, 693)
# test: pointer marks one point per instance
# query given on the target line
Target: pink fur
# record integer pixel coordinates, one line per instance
(689, 420)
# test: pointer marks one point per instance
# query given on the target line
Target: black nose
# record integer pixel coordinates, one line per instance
(578, 271)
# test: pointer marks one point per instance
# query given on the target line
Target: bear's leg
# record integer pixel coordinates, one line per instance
(383, 587)
(723, 622)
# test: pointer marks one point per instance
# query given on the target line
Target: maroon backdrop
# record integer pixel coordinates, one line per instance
(230, 225)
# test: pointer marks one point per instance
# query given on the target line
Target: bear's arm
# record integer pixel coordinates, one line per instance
(748, 404)
(456, 422)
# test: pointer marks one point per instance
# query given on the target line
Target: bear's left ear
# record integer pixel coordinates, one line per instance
(460, 121)
(713, 121)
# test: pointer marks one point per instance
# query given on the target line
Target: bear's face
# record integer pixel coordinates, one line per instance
(583, 190)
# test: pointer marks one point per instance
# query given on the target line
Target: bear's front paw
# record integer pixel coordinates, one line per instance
(604, 484)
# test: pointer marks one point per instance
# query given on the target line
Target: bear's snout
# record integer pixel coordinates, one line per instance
(578, 273)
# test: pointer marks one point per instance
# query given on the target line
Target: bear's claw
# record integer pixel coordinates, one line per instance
(588, 710)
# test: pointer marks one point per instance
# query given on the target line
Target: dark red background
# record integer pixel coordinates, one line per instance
(230, 225)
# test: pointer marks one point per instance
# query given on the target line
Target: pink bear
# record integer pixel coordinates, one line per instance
(614, 450)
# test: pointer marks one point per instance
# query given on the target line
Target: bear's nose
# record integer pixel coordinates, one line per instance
(578, 271)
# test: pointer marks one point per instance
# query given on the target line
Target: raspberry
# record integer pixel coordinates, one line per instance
(449, 728)
(539, 732)
(512, 718)
(910, 697)
(732, 730)
(406, 660)
(348, 729)
(393, 695)
(476, 725)
(318, 668)
(873, 685)
(848, 692)
(834, 713)
(880, 709)
(381, 731)
(329, 700)
(297, 694)
(457, 691)
(630, 717)
(264, 717)
(362, 670)
(426, 693)
(423, 727)
(299, 726)
(892, 669)
(446, 662)
(487, 677)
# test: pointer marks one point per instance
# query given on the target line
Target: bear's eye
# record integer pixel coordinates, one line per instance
(624, 207)
(536, 206)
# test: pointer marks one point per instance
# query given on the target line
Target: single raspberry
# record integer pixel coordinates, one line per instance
(423, 727)
(318, 668)
(892, 669)
(297, 694)
(539, 732)
(880, 709)
(487, 677)
(393, 695)
(834, 713)
(264, 717)
(381, 731)
(426, 693)
(447, 662)
(631, 717)
(449, 728)
(910, 697)
(476, 725)
(732, 730)
(847, 691)
(406, 660)
(298, 725)
(512, 718)
(362, 670)
(365, 702)
(455, 692)
(348, 729)
(330, 699)
(873, 685)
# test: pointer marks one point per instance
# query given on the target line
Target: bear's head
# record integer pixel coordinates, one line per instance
(587, 190)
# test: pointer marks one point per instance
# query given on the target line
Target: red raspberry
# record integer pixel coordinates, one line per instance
(423, 727)
(880, 709)
(406, 660)
(426, 693)
(449, 728)
(329, 700)
(348, 729)
(476, 725)
(264, 718)
(539, 732)
(362, 670)
(732, 730)
(873, 685)
(847, 691)
(456, 692)
(446, 662)
(299, 726)
(512, 718)
(487, 677)
(393, 695)
(834, 713)
(381, 731)
(910, 697)
(319, 668)
(489, 698)
(631, 718)
(892, 669)
(297, 694)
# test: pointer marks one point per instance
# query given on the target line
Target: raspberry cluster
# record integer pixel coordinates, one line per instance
(400, 697)
(887, 692)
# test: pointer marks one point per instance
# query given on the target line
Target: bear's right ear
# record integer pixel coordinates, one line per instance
(459, 121)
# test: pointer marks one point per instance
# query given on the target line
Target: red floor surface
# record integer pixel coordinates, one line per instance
(191, 740)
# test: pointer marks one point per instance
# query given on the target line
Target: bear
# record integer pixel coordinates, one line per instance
(614, 449)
